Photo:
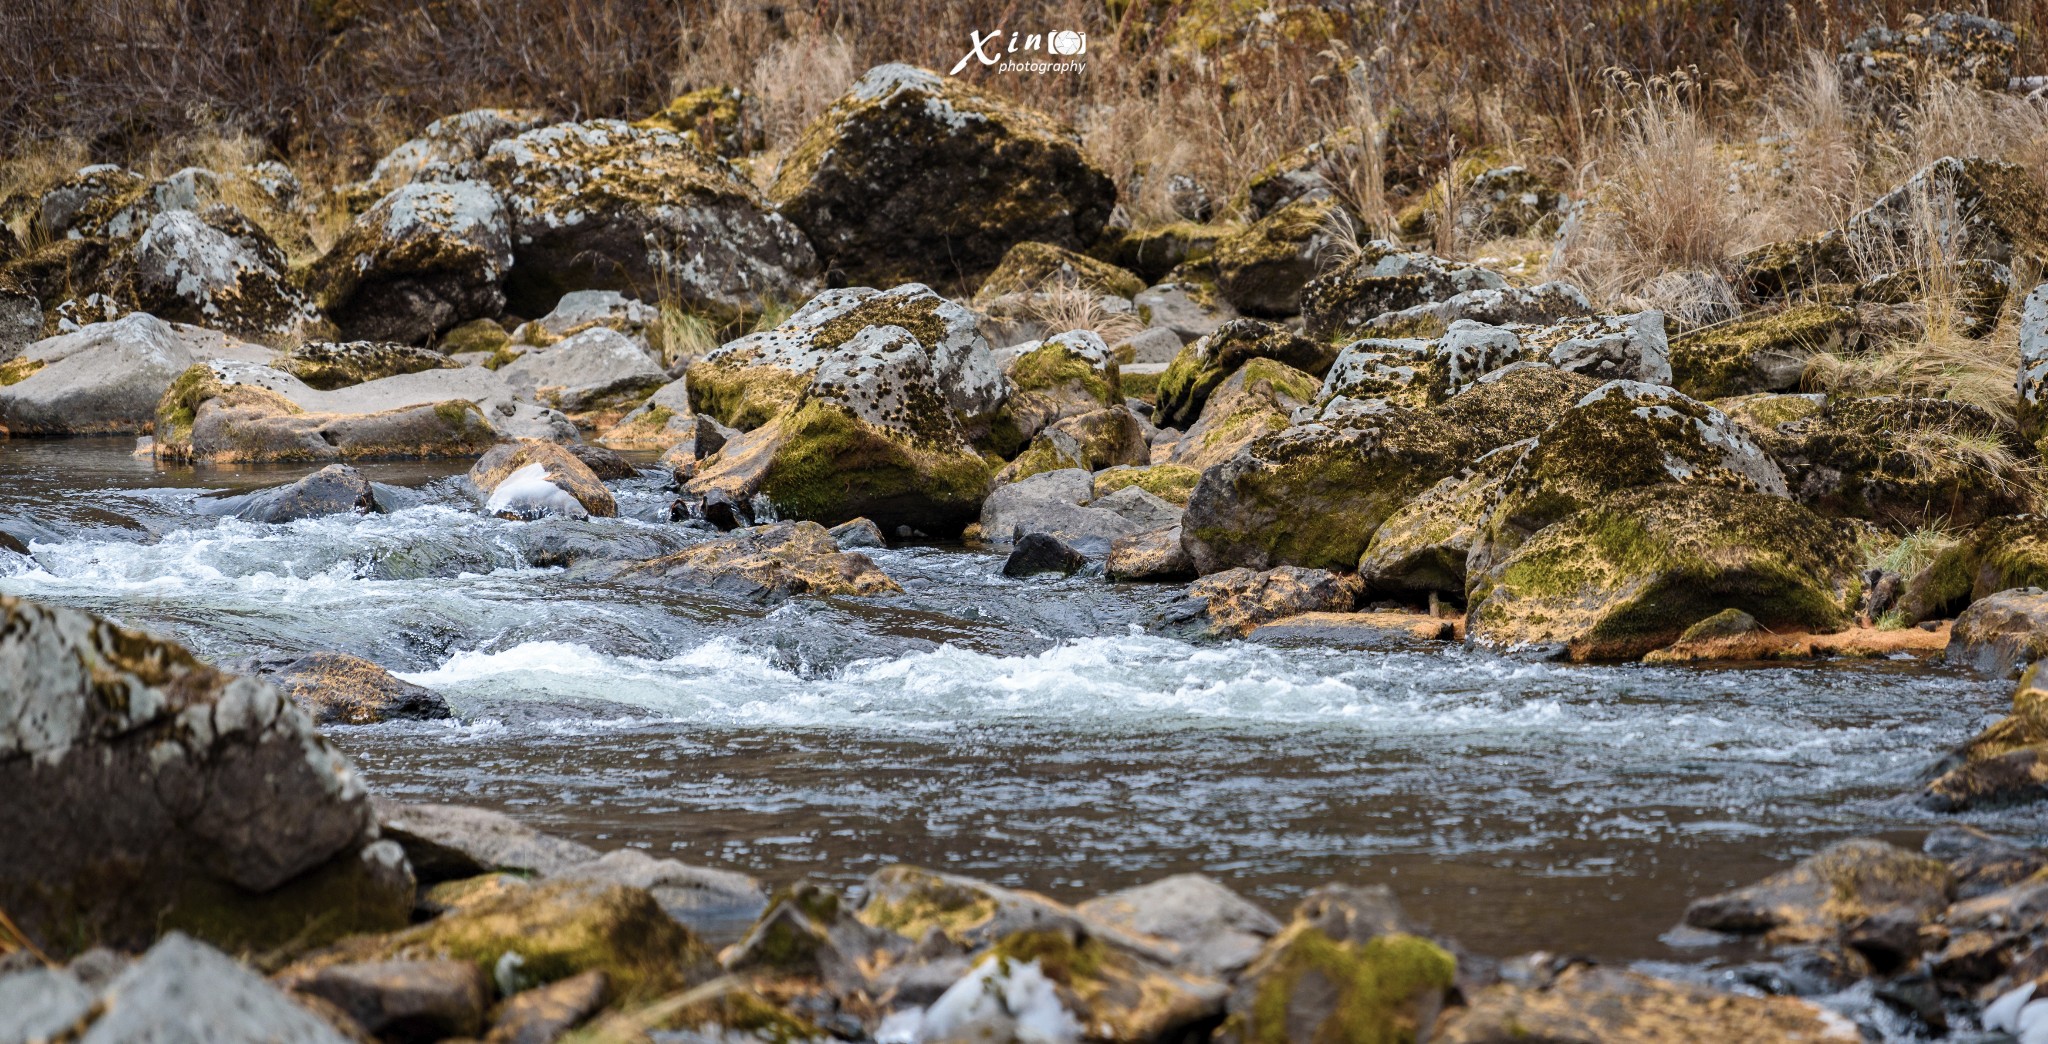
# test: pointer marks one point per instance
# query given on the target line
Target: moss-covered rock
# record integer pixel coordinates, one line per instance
(1998, 555)
(1490, 202)
(1889, 65)
(1590, 1003)
(1784, 268)
(911, 176)
(1901, 462)
(223, 414)
(1346, 968)
(1396, 370)
(1063, 376)
(2006, 764)
(1996, 209)
(1118, 995)
(1155, 250)
(1312, 171)
(1313, 494)
(1259, 398)
(1383, 278)
(1262, 270)
(606, 205)
(721, 120)
(1972, 292)
(770, 563)
(1195, 373)
(327, 365)
(1760, 353)
(914, 902)
(1029, 268)
(1630, 572)
(214, 268)
(1234, 602)
(1514, 403)
(1172, 483)
(1421, 550)
(423, 260)
(1092, 441)
(1763, 413)
(2002, 632)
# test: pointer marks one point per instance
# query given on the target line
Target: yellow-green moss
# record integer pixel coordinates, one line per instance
(1053, 366)
(18, 370)
(953, 910)
(741, 395)
(477, 335)
(833, 467)
(1172, 483)
(1031, 267)
(1377, 992)
(1721, 360)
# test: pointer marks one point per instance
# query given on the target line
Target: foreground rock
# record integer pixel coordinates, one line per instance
(238, 413)
(769, 563)
(532, 478)
(2001, 633)
(181, 989)
(1347, 967)
(1584, 1003)
(1867, 896)
(336, 489)
(1632, 571)
(107, 378)
(167, 794)
(915, 177)
(2006, 764)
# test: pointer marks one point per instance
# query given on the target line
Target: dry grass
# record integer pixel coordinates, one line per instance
(1061, 306)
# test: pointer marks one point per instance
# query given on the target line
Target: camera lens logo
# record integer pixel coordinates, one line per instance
(1067, 42)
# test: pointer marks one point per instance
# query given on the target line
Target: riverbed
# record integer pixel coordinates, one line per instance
(1031, 732)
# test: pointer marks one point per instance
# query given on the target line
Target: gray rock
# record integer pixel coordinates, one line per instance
(857, 534)
(1384, 278)
(1140, 506)
(423, 260)
(1052, 503)
(39, 1003)
(2001, 633)
(451, 147)
(542, 1015)
(715, 903)
(1036, 553)
(1623, 347)
(586, 371)
(404, 1000)
(1211, 929)
(1172, 307)
(152, 780)
(508, 412)
(217, 269)
(2033, 335)
(1538, 305)
(1155, 555)
(21, 320)
(445, 842)
(336, 489)
(108, 377)
(185, 992)
(1155, 344)
(580, 310)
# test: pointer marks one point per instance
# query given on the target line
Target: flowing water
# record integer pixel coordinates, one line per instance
(1028, 732)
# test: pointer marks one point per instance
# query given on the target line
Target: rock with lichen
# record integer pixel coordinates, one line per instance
(594, 376)
(165, 794)
(1347, 967)
(1195, 374)
(1313, 494)
(609, 206)
(337, 688)
(1105, 438)
(1384, 278)
(1314, 171)
(1485, 202)
(215, 268)
(1984, 208)
(1261, 397)
(1263, 269)
(1870, 897)
(423, 260)
(228, 412)
(451, 148)
(327, 365)
(911, 176)
(1630, 571)
(1061, 377)
(1765, 352)
(106, 378)
(1890, 65)
(1234, 602)
(769, 563)
(1902, 462)
(1582, 1002)
(725, 121)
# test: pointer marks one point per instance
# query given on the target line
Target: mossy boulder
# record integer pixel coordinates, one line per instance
(1106, 438)
(1421, 550)
(1997, 209)
(1972, 291)
(1763, 413)
(81, 205)
(1173, 483)
(2002, 632)
(214, 268)
(1998, 555)
(102, 379)
(1760, 353)
(1391, 369)
(1262, 270)
(1261, 397)
(1787, 267)
(1383, 278)
(1630, 572)
(725, 121)
(770, 563)
(914, 902)
(1030, 268)
(1859, 891)
(747, 382)
(1156, 250)
(1117, 994)
(1313, 494)
(1347, 967)
(2006, 764)
(153, 792)
(1901, 462)
(224, 413)
(911, 176)
(609, 206)
(1195, 373)
(451, 147)
(327, 365)
(1313, 171)
(1621, 436)
(1514, 403)
(424, 260)
(1063, 376)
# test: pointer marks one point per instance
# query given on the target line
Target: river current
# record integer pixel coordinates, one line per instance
(1025, 731)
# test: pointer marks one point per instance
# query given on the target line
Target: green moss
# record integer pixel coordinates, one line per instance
(18, 370)
(931, 903)
(504, 355)
(1156, 250)
(740, 395)
(562, 930)
(1064, 956)
(477, 335)
(1055, 366)
(1199, 368)
(1419, 327)
(1376, 992)
(744, 1012)
(834, 467)
(180, 405)
(1725, 359)
(1172, 483)
(1032, 267)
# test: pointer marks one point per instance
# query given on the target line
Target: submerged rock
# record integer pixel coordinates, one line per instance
(336, 489)
(166, 794)
(2006, 764)
(533, 478)
(769, 563)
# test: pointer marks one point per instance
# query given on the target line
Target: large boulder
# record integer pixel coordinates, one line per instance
(425, 259)
(1313, 494)
(1999, 555)
(1899, 461)
(594, 376)
(748, 381)
(185, 990)
(605, 205)
(1514, 402)
(1195, 373)
(769, 563)
(1422, 550)
(1262, 270)
(451, 148)
(217, 269)
(2000, 632)
(106, 378)
(161, 793)
(1106, 438)
(911, 176)
(1629, 572)
(339, 689)
(1383, 278)
(1759, 353)
(1063, 504)
(1996, 208)
(225, 412)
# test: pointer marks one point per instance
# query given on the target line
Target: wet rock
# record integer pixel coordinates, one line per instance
(1261, 398)
(327, 365)
(2000, 633)
(336, 489)
(708, 902)
(749, 381)
(1383, 278)
(1190, 309)
(450, 149)
(102, 379)
(1424, 547)
(236, 413)
(1889, 64)
(525, 936)
(1619, 1007)
(506, 476)
(1868, 895)
(1898, 461)
(423, 260)
(544, 1014)
(448, 842)
(857, 534)
(185, 990)
(1345, 968)
(1981, 863)
(598, 372)
(1630, 572)
(1155, 555)
(1211, 930)
(608, 206)
(1202, 367)
(216, 269)
(336, 688)
(1057, 504)
(1263, 269)
(1313, 494)
(1996, 207)
(1036, 553)
(167, 794)
(1999, 555)
(769, 563)
(419, 1000)
(1761, 353)
(605, 464)
(1064, 376)
(1235, 601)
(1107, 438)
(914, 176)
